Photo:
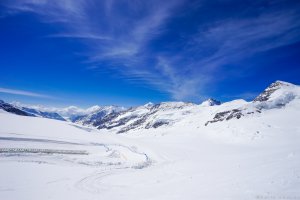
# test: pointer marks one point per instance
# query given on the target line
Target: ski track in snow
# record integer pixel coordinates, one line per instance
(37, 140)
(90, 183)
(93, 182)
(19, 152)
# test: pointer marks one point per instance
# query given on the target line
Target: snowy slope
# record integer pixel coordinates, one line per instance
(254, 157)
(34, 161)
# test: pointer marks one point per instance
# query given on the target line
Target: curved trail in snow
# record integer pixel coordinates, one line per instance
(113, 151)
(107, 158)
(93, 182)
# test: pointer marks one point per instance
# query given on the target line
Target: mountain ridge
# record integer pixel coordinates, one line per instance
(167, 114)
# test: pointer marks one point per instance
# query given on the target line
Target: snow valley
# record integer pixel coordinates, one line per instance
(171, 150)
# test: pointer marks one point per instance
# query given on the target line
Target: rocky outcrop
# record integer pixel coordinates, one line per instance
(266, 94)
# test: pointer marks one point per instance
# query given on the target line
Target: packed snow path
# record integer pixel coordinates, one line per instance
(11, 151)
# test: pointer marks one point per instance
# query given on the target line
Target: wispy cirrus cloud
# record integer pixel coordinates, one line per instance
(124, 26)
(235, 39)
(207, 53)
(121, 33)
(23, 93)
(117, 31)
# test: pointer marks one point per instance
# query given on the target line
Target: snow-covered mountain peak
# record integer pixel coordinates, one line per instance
(172, 105)
(149, 105)
(93, 109)
(72, 109)
(277, 95)
(111, 109)
(210, 102)
(70, 112)
(283, 83)
(276, 90)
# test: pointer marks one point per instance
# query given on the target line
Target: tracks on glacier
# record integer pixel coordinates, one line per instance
(46, 151)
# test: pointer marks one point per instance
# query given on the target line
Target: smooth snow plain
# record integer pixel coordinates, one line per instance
(254, 157)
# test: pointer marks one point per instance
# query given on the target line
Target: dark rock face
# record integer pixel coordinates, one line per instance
(133, 125)
(231, 114)
(235, 113)
(12, 109)
(226, 115)
(157, 124)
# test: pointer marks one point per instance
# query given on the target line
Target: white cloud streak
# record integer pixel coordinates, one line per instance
(23, 93)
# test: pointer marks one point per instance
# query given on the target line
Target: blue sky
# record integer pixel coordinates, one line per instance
(129, 52)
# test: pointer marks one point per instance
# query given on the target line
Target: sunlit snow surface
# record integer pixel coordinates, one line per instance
(254, 157)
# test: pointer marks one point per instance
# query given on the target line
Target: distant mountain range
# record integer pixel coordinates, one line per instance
(164, 114)
(38, 113)
(12, 109)
(24, 111)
